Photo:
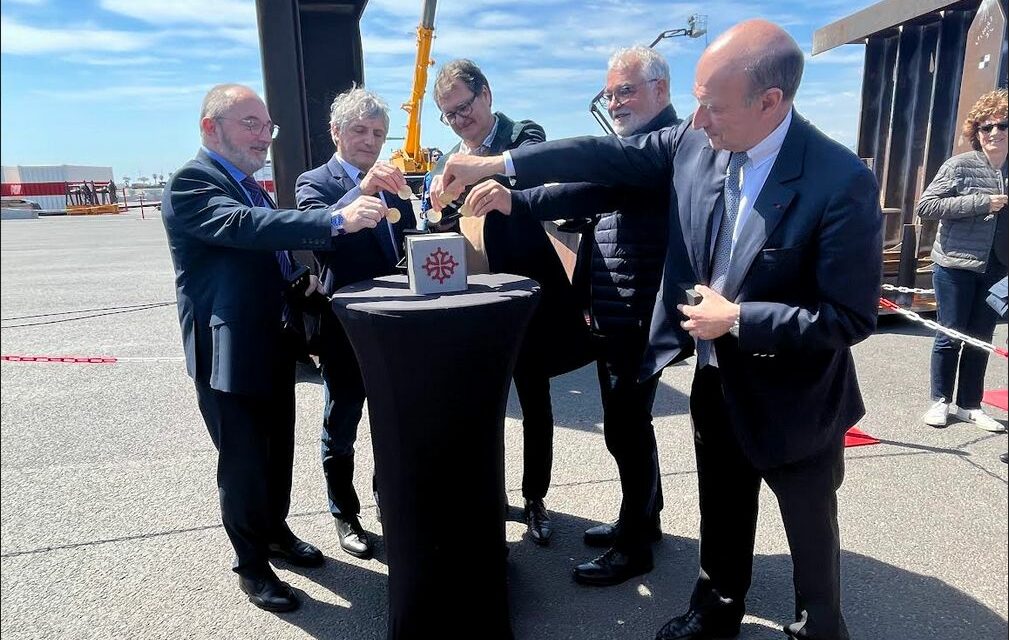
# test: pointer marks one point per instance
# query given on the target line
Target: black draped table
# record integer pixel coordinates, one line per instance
(437, 370)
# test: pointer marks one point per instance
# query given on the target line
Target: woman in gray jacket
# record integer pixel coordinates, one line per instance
(968, 198)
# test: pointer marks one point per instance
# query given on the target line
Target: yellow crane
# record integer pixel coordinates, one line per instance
(413, 160)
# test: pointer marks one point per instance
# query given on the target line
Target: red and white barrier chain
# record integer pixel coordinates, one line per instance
(935, 326)
(893, 287)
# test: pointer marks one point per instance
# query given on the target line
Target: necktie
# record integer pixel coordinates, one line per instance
(382, 231)
(722, 255)
(258, 199)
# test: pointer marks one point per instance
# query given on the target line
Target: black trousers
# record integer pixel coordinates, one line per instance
(533, 390)
(254, 436)
(807, 497)
(630, 439)
(343, 396)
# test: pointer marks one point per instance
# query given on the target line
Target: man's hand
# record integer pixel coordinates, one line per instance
(460, 172)
(313, 286)
(384, 176)
(489, 196)
(712, 317)
(365, 212)
(998, 202)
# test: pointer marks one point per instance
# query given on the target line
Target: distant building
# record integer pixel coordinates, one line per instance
(47, 185)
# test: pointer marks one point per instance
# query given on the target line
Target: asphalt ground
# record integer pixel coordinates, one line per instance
(111, 529)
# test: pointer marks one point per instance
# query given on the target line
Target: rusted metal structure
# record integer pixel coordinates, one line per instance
(311, 52)
(926, 63)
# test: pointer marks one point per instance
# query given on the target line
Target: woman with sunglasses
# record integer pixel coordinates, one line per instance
(968, 198)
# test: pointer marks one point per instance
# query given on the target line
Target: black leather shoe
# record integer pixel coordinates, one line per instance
(353, 538)
(269, 592)
(613, 567)
(699, 625)
(538, 522)
(605, 535)
(297, 552)
(1004, 458)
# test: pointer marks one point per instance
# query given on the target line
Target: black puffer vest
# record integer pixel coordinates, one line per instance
(628, 254)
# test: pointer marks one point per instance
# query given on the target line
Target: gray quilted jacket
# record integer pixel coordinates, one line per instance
(958, 198)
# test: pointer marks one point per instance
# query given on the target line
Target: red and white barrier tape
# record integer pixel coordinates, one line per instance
(953, 333)
(86, 359)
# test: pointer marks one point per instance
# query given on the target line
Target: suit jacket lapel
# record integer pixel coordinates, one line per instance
(340, 174)
(237, 190)
(704, 200)
(773, 201)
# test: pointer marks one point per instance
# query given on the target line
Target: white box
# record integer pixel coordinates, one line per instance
(436, 263)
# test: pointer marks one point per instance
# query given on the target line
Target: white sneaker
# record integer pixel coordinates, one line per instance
(937, 415)
(981, 419)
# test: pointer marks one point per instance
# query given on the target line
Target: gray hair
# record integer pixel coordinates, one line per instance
(357, 104)
(651, 64)
(221, 98)
(775, 67)
(464, 71)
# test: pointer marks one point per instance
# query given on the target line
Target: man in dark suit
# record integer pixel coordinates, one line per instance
(556, 340)
(231, 251)
(782, 226)
(359, 123)
(625, 254)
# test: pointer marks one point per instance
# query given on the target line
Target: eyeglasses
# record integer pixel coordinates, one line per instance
(623, 93)
(988, 128)
(254, 126)
(463, 110)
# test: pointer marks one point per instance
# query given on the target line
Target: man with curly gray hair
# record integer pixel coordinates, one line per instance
(353, 177)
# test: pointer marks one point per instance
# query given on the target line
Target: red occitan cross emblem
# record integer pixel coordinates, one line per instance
(440, 265)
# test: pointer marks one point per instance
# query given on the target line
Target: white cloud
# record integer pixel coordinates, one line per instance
(841, 56)
(125, 62)
(18, 38)
(210, 12)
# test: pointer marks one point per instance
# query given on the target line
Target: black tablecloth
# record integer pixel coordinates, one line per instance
(437, 370)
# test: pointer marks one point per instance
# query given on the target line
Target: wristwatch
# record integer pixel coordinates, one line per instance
(734, 329)
(337, 221)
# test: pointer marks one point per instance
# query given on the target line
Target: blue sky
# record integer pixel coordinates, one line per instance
(119, 82)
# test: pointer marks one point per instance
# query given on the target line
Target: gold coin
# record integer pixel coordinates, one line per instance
(393, 215)
(464, 210)
(433, 216)
(445, 199)
(404, 193)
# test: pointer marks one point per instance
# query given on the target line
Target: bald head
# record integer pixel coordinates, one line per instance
(763, 51)
(234, 123)
(745, 83)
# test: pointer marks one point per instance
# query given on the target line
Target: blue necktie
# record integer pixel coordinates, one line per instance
(258, 199)
(722, 255)
(383, 233)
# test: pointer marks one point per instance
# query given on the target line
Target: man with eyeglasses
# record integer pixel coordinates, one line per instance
(358, 124)
(231, 248)
(556, 339)
(628, 246)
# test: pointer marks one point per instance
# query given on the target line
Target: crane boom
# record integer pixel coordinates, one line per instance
(412, 159)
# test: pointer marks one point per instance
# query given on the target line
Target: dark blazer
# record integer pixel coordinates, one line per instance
(806, 270)
(228, 282)
(355, 256)
(557, 338)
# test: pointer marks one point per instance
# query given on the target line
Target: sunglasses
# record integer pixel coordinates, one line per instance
(988, 128)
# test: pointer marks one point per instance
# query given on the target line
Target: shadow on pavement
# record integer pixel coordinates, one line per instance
(880, 600)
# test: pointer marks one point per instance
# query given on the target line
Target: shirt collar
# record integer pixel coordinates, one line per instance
(352, 171)
(486, 141)
(232, 170)
(770, 146)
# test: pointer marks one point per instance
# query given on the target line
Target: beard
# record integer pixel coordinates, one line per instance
(628, 124)
(243, 157)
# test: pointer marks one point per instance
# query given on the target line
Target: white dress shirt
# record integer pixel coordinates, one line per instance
(356, 175)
